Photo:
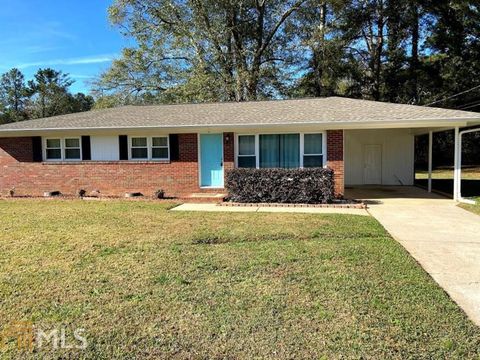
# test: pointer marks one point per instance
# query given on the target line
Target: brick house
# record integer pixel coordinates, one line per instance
(186, 149)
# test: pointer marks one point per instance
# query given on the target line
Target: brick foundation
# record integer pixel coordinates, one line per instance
(335, 159)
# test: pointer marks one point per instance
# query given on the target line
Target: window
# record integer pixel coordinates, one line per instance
(313, 150)
(53, 149)
(63, 149)
(72, 149)
(160, 147)
(149, 148)
(280, 151)
(246, 151)
(139, 148)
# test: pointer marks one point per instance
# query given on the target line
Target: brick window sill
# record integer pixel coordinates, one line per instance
(106, 162)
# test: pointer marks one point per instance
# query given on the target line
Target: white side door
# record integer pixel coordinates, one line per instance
(372, 164)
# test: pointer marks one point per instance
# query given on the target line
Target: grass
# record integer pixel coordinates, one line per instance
(147, 283)
(474, 208)
(468, 173)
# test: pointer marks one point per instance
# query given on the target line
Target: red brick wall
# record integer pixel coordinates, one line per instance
(19, 149)
(228, 151)
(177, 178)
(335, 158)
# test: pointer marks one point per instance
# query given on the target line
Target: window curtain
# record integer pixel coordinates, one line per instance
(280, 151)
(290, 151)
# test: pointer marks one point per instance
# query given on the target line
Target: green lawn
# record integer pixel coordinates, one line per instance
(473, 208)
(468, 173)
(147, 283)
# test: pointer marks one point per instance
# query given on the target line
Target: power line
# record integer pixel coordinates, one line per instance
(470, 106)
(469, 103)
(454, 96)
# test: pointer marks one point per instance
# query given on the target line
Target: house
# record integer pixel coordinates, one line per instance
(187, 149)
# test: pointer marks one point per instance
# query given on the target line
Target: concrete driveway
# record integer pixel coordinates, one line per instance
(442, 237)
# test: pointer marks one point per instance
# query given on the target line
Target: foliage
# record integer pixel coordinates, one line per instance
(202, 50)
(108, 101)
(314, 185)
(220, 285)
(414, 52)
(474, 208)
(13, 96)
(47, 94)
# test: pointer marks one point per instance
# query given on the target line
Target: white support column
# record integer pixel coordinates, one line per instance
(459, 188)
(430, 158)
(457, 171)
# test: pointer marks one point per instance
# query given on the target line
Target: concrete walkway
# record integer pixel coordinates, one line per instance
(305, 210)
(442, 237)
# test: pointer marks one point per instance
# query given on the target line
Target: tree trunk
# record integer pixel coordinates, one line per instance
(377, 54)
(319, 52)
(414, 59)
(257, 58)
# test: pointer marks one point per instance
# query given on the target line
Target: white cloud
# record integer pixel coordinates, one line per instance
(97, 59)
(79, 76)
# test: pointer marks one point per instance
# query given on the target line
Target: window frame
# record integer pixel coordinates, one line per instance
(149, 147)
(324, 147)
(62, 148)
(131, 147)
(161, 147)
(256, 152)
(75, 148)
(302, 148)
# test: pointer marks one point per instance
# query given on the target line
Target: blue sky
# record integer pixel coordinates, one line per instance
(69, 35)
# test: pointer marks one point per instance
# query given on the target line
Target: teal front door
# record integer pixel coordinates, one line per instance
(211, 160)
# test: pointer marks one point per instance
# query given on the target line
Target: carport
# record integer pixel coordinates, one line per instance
(385, 156)
(458, 148)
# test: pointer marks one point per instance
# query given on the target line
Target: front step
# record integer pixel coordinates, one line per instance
(203, 197)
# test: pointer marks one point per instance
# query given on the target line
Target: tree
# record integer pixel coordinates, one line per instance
(3, 114)
(81, 102)
(329, 65)
(230, 50)
(407, 51)
(46, 95)
(107, 101)
(454, 40)
(13, 96)
(50, 95)
(49, 92)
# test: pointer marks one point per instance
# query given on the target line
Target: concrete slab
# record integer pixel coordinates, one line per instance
(266, 209)
(442, 237)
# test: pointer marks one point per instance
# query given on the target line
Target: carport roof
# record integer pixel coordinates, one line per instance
(331, 111)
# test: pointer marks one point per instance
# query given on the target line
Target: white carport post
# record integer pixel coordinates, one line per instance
(430, 157)
(460, 198)
(457, 166)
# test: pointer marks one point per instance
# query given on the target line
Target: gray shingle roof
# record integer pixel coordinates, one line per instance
(331, 110)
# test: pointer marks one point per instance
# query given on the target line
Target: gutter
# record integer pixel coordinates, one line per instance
(417, 123)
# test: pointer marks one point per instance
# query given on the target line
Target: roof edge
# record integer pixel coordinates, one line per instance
(379, 124)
